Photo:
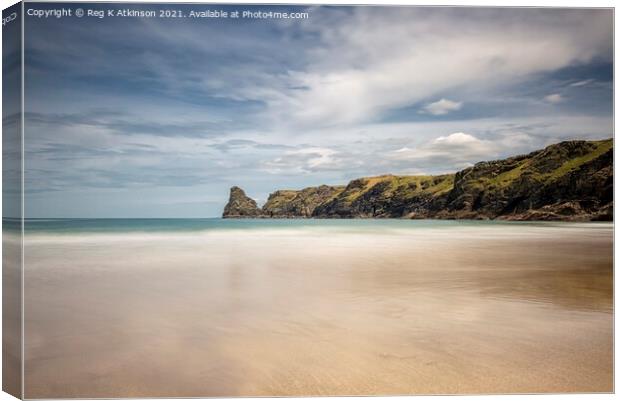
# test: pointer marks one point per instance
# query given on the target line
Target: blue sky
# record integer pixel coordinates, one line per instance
(159, 117)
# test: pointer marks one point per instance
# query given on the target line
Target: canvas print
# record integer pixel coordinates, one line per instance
(219, 200)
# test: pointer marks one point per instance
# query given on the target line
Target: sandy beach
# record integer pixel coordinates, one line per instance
(11, 311)
(317, 311)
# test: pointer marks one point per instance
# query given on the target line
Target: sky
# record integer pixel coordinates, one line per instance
(129, 117)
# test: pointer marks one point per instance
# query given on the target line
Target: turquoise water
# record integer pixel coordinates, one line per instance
(72, 226)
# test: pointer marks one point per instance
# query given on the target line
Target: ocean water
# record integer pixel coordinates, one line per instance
(153, 225)
(212, 307)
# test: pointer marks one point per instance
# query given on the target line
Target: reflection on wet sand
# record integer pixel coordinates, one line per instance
(11, 312)
(308, 312)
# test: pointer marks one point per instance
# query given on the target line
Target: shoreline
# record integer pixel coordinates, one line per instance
(515, 218)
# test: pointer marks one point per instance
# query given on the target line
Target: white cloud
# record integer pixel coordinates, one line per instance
(554, 98)
(582, 83)
(442, 106)
(355, 73)
(458, 139)
(304, 160)
(457, 149)
(316, 157)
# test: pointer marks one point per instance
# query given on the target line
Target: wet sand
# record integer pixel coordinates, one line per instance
(258, 313)
(11, 313)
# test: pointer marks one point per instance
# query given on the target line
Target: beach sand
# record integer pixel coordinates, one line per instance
(11, 313)
(463, 310)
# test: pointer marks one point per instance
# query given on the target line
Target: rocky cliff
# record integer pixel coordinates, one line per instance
(387, 196)
(299, 203)
(570, 180)
(240, 205)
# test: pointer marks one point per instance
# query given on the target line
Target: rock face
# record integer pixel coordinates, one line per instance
(387, 196)
(570, 180)
(240, 205)
(299, 203)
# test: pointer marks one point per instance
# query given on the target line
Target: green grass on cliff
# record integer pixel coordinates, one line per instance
(281, 198)
(601, 148)
(528, 166)
(287, 197)
(406, 186)
(510, 175)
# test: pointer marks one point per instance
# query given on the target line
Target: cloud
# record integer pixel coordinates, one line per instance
(356, 74)
(582, 83)
(442, 106)
(127, 124)
(554, 98)
(349, 71)
(455, 150)
(304, 160)
(236, 144)
(458, 139)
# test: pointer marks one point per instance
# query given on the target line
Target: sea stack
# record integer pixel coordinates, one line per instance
(240, 205)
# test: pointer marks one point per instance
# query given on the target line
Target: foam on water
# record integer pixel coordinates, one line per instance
(136, 230)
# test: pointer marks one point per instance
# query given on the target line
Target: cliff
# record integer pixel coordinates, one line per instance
(570, 180)
(387, 196)
(299, 203)
(240, 205)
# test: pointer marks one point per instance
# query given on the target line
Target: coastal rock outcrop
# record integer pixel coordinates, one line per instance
(571, 180)
(240, 205)
(302, 203)
(387, 196)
